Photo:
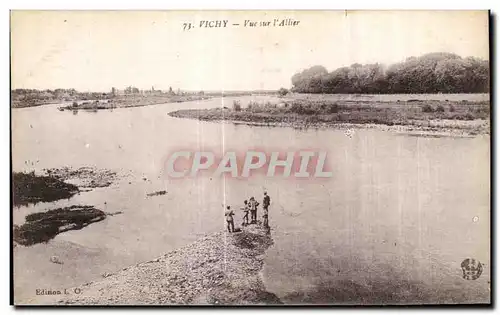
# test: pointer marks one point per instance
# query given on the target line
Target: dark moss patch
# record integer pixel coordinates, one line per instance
(44, 226)
(30, 188)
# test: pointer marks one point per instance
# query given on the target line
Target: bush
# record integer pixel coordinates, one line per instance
(469, 116)
(332, 108)
(257, 107)
(452, 108)
(236, 106)
(282, 91)
(440, 109)
(299, 108)
(252, 105)
(427, 108)
(269, 105)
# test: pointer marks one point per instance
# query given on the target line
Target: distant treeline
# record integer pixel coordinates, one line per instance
(32, 97)
(430, 73)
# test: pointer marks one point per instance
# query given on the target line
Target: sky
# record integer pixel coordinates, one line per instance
(97, 50)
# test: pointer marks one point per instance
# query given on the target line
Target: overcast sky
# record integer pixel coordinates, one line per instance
(98, 50)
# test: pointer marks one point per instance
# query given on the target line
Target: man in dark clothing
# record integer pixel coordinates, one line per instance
(265, 205)
(253, 210)
(229, 219)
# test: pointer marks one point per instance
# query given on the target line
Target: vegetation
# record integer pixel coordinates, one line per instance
(282, 91)
(33, 97)
(430, 73)
(324, 112)
(44, 226)
(128, 97)
(30, 188)
(236, 106)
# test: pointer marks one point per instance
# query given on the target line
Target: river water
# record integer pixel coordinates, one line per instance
(394, 222)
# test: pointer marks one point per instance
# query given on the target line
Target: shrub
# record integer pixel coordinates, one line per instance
(282, 91)
(253, 106)
(236, 106)
(332, 108)
(440, 109)
(427, 108)
(299, 108)
(469, 116)
(452, 108)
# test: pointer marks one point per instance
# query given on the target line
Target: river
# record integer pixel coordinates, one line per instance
(394, 222)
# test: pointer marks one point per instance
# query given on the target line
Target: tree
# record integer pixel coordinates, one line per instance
(282, 91)
(430, 73)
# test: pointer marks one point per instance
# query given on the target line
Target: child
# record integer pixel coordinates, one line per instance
(229, 219)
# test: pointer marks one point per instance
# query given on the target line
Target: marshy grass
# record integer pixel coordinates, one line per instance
(31, 188)
(43, 226)
(315, 111)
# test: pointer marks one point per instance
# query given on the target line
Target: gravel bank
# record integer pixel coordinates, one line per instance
(222, 268)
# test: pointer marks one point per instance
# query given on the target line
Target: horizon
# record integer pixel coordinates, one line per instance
(95, 51)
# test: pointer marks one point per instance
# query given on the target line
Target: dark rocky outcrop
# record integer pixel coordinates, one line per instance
(31, 188)
(44, 226)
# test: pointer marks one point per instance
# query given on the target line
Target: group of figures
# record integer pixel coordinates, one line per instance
(250, 207)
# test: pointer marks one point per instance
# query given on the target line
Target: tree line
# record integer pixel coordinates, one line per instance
(430, 73)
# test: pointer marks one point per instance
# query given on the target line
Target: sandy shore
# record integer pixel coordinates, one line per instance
(221, 268)
(433, 128)
(442, 128)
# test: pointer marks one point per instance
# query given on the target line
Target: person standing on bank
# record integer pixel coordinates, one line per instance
(246, 210)
(265, 205)
(229, 219)
(253, 210)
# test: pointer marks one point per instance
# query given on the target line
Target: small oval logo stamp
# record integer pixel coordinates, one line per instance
(471, 269)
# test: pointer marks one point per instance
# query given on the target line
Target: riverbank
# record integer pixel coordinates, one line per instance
(133, 101)
(50, 186)
(427, 117)
(31, 188)
(218, 269)
(43, 226)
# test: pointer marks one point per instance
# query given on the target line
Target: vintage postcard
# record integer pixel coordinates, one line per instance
(250, 157)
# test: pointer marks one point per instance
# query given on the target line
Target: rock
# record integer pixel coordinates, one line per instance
(56, 260)
(157, 193)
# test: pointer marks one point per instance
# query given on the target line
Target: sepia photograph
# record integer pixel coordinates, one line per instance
(250, 157)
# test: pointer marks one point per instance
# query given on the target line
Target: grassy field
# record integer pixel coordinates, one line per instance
(468, 114)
